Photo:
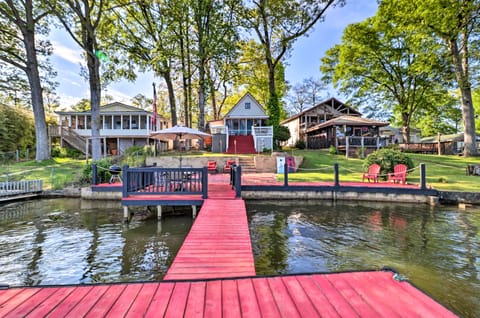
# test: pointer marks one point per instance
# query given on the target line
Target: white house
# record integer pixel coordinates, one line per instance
(247, 118)
(121, 126)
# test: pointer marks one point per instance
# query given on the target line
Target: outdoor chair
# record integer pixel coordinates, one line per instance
(399, 174)
(212, 166)
(373, 173)
(228, 165)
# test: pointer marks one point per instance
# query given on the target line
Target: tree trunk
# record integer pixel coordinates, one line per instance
(468, 115)
(171, 94)
(41, 134)
(93, 65)
(201, 94)
(184, 81)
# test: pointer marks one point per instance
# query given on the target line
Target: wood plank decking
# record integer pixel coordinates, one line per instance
(213, 275)
(357, 294)
(218, 244)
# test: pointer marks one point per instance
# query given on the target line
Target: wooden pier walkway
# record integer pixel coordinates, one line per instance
(218, 244)
(18, 190)
(213, 275)
(357, 294)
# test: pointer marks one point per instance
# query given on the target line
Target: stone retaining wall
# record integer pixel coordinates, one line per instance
(332, 195)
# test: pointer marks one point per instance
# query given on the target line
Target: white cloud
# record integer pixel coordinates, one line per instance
(68, 54)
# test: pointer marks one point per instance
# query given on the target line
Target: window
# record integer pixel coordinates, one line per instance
(247, 105)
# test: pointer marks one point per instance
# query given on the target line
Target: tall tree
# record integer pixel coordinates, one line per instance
(81, 19)
(305, 94)
(215, 29)
(457, 24)
(378, 63)
(21, 22)
(277, 25)
(142, 37)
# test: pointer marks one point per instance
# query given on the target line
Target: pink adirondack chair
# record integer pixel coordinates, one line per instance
(373, 172)
(399, 174)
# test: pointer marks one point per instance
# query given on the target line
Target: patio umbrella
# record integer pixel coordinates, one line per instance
(179, 132)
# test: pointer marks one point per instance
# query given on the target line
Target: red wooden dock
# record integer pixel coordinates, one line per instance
(218, 244)
(358, 294)
(213, 275)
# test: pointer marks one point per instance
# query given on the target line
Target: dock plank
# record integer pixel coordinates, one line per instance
(218, 244)
(308, 295)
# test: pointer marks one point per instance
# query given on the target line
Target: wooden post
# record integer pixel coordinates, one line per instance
(194, 211)
(347, 146)
(336, 177)
(423, 177)
(159, 212)
(285, 173)
(125, 214)
(439, 144)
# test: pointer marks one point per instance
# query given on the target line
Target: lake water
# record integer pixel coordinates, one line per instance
(435, 249)
(71, 241)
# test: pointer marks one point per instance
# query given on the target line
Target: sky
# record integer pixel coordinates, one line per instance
(303, 62)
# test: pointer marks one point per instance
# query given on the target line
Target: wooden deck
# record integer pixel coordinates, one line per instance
(213, 275)
(357, 294)
(218, 244)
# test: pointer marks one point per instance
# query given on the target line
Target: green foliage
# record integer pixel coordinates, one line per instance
(387, 159)
(103, 174)
(135, 156)
(300, 144)
(280, 133)
(17, 130)
(65, 152)
(332, 150)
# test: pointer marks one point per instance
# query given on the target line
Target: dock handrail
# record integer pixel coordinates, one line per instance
(20, 187)
(158, 180)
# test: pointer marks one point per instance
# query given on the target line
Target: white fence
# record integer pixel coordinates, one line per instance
(20, 187)
(262, 137)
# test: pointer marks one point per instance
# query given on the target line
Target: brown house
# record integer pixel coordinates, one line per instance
(346, 133)
(318, 114)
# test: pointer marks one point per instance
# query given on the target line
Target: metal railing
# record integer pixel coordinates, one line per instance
(156, 180)
(20, 187)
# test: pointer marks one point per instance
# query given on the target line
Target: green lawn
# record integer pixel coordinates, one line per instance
(443, 172)
(55, 173)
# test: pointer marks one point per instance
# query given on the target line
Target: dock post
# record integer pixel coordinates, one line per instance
(159, 212)
(125, 214)
(194, 211)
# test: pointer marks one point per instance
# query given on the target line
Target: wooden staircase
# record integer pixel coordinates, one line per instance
(69, 136)
(241, 145)
(247, 164)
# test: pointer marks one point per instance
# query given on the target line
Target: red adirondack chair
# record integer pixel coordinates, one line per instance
(212, 166)
(229, 164)
(399, 174)
(373, 172)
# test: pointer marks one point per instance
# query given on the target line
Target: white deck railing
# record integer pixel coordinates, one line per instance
(20, 187)
(262, 137)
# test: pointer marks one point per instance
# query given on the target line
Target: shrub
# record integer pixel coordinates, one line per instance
(332, 150)
(387, 159)
(103, 174)
(300, 144)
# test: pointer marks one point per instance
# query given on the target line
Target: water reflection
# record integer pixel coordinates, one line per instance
(71, 241)
(437, 249)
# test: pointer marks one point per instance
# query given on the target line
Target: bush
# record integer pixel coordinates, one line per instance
(300, 144)
(103, 174)
(332, 150)
(387, 159)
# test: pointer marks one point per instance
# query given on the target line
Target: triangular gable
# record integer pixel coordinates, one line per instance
(120, 107)
(330, 106)
(247, 107)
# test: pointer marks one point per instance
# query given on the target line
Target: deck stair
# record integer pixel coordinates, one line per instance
(241, 145)
(69, 136)
(247, 163)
